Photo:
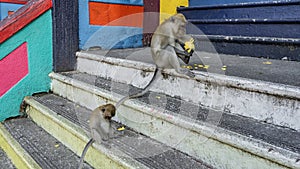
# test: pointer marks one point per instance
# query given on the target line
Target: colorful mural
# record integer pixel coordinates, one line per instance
(13, 68)
(110, 23)
(26, 55)
(8, 7)
(168, 8)
(113, 13)
(120, 23)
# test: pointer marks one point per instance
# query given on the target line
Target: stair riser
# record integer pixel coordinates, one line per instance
(236, 20)
(239, 2)
(259, 100)
(118, 73)
(244, 47)
(174, 132)
(242, 11)
(252, 29)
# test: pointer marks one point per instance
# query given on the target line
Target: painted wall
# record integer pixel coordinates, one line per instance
(169, 7)
(25, 62)
(222, 2)
(110, 23)
(121, 23)
(6, 7)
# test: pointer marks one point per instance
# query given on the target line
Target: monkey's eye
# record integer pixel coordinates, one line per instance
(103, 110)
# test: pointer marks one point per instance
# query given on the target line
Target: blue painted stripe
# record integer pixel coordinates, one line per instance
(256, 28)
(237, 11)
(5, 7)
(245, 20)
(248, 39)
(125, 2)
(84, 27)
(254, 46)
(222, 2)
(111, 37)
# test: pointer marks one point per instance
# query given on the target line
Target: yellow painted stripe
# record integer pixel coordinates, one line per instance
(169, 7)
(19, 157)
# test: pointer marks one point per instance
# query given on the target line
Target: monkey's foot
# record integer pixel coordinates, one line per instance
(106, 144)
(187, 72)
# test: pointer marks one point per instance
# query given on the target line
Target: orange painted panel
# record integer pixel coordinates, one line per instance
(115, 14)
(10, 12)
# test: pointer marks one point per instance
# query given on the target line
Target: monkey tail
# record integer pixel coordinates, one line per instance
(84, 152)
(139, 94)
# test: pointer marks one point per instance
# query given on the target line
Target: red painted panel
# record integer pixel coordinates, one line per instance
(13, 68)
(22, 17)
(108, 14)
(15, 1)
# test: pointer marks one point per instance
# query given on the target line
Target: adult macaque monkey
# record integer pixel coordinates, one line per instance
(165, 41)
(169, 42)
(100, 125)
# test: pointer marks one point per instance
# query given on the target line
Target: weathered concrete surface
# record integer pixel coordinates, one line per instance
(278, 71)
(19, 157)
(47, 151)
(193, 132)
(265, 101)
(5, 162)
(74, 137)
(128, 145)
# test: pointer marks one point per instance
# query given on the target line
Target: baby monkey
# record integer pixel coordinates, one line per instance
(100, 125)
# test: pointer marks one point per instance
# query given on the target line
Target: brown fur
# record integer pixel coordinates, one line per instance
(100, 125)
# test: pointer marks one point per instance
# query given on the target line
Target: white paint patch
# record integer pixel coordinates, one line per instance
(274, 103)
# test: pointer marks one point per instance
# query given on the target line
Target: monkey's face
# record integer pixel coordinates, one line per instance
(108, 111)
(179, 27)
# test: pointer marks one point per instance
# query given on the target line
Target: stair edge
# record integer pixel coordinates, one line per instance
(279, 155)
(19, 157)
(81, 136)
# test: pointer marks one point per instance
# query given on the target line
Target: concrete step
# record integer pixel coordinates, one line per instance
(233, 2)
(273, 103)
(268, 38)
(261, 47)
(254, 10)
(213, 135)
(34, 147)
(67, 121)
(259, 29)
(15, 152)
(276, 28)
(5, 162)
